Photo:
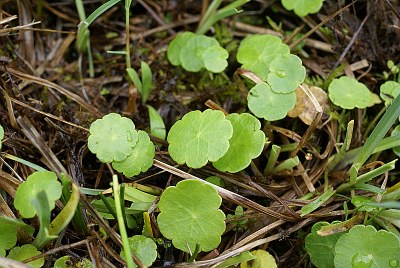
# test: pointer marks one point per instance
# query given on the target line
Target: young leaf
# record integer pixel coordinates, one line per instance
(315, 204)
(191, 56)
(256, 52)
(363, 246)
(176, 45)
(348, 93)
(214, 59)
(147, 81)
(321, 248)
(157, 126)
(25, 252)
(303, 7)
(190, 215)
(112, 138)
(133, 75)
(39, 181)
(264, 103)
(8, 236)
(286, 73)
(263, 260)
(69, 262)
(247, 143)
(234, 261)
(389, 91)
(140, 159)
(144, 248)
(199, 137)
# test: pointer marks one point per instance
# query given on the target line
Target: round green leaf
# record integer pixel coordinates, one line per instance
(256, 52)
(144, 248)
(321, 248)
(303, 7)
(214, 59)
(69, 262)
(264, 103)
(190, 215)
(263, 260)
(286, 73)
(363, 246)
(176, 45)
(247, 143)
(199, 137)
(140, 159)
(191, 55)
(389, 91)
(39, 181)
(348, 93)
(396, 132)
(25, 252)
(112, 138)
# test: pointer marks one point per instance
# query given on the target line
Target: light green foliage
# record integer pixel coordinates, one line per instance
(264, 103)
(69, 262)
(316, 203)
(256, 52)
(214, 59)
(321, 248)
(190, 214)
(286, 73)
(303, 7)
(389, 91)
(25, 252)
(1, 135)
(363, 246)
(144, 248)
(2, 252)
(140, 159)
(8, 236)
(195, 52)
(112, 138)
(234, 261)
(144, 85)
(247, 143)
(176, 45)
(216, 181)
(396, 133)
(39, 181)
(157, 126)
(199, 137)
(263, 260)
(348, 93)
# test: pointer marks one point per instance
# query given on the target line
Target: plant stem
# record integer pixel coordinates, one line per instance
(121, 225)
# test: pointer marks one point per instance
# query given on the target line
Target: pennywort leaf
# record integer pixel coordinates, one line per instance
(112, 138)
(140, 159)
(389, 91)
(286, 73)
(303, 7)
(199, 137)
(263, 260)
(39, 181)
(25, 252)
(246, 143)
(195, 52)
(256, 52)
(363, 246)
(321, 248)
(264, 103)
(348, 93)
(144, 248)
(190, 214)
